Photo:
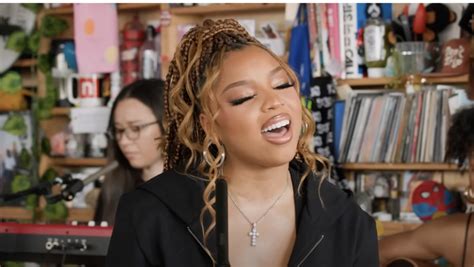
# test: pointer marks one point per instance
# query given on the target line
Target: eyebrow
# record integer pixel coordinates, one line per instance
(244, 82)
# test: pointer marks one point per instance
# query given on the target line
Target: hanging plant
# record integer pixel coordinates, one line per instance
(16, 41)
(52, 26)
(46, 104)
(34, 7)
(15, 125)
(44, 63)
(10, 82)
(33, 42)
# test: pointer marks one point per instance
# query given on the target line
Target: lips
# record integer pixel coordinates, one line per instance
(277, 129)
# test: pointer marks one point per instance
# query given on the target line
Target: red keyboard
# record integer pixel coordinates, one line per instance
(54, 243)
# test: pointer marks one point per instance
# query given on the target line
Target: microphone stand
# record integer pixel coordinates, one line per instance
(71, 188)
(222, 226)
(42, 188)
(76, 185)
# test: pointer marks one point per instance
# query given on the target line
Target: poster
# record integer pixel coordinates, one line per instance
(96, 37)
(16, 158)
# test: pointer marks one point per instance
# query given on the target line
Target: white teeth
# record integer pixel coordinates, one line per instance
(276, 125)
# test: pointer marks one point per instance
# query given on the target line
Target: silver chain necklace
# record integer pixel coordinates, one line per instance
(253, 225)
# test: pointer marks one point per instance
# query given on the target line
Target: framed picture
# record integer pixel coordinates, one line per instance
(16, 157)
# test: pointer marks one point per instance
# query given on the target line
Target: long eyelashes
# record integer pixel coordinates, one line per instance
(241, 100)
(244, 99)
(285, 85)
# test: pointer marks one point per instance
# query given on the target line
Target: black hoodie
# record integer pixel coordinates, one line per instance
(158, 225)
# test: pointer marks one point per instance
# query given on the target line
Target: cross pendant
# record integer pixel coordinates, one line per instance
(253, 235)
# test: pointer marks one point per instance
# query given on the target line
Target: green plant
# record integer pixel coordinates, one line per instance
(13, 264)
(44, 63)
(16, 41)
(52, 26)
(15, 125)
(20, 182)
(56, 212)
(10, 82)
(33, 42)
(34, 7)
(49, 175)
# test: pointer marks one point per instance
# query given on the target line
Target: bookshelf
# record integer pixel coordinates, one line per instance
(79, 162)
(399, 167)
(15, 213)
(380, 82)
(194, 14)
(58, 111)
(20, 213)
(394, 227)
(25, 63)
(219, 9)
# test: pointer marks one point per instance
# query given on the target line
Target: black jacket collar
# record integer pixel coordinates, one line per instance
(182, 194)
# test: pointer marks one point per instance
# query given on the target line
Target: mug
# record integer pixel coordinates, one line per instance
(88, 90)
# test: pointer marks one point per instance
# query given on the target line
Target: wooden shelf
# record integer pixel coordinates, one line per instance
(394, 227)
(29, 82)
(371, 82)
(68, 10)
(80, 214)
(25, 63)
(21, 213)
(58, 111)
(15, 213)
(226, 8)
(79, 162)
(399, 167)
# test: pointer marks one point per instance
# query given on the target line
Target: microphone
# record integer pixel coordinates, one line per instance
(42, 188)
(76, 185)
(222, 226)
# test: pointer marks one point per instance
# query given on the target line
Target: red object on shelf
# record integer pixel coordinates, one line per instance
(133, 36)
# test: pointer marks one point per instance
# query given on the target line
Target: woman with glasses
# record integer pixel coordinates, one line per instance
(135, 131)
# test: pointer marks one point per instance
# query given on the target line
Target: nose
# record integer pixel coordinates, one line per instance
(272, 101)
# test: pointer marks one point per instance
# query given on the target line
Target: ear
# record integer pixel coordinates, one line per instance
(452, 16)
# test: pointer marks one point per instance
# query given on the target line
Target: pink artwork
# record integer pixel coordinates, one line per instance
(96, 37)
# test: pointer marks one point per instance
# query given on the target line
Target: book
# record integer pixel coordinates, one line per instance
(338, 118)
(349, 53)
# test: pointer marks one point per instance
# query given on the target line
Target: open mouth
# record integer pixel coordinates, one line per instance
(278, 130)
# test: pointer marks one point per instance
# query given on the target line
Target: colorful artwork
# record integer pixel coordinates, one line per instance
(432, 200)
(96, 37)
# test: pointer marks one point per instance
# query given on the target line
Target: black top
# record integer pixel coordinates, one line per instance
(158, 225)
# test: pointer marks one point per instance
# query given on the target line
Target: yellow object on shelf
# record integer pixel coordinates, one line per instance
(9, 102)
(379, 226)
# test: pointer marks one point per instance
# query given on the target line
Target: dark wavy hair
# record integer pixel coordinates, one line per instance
(460, 143)
(125, 177)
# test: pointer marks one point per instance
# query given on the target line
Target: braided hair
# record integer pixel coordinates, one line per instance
(192, 75)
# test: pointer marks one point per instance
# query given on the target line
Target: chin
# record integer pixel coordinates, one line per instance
(136, 164)
(277, 159)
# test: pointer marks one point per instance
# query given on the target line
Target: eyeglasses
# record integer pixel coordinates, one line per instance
(132, 132)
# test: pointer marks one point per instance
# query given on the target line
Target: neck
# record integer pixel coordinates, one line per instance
(252, 184)
(152, 170)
